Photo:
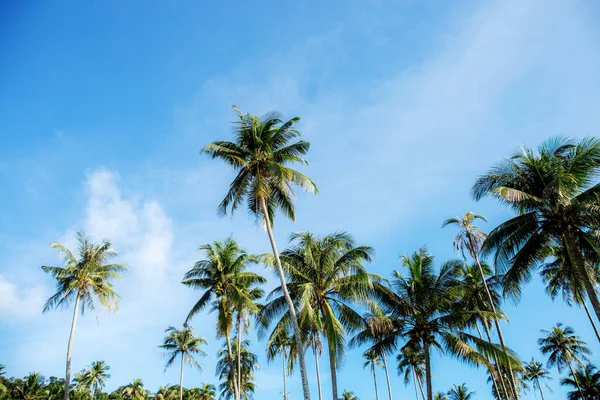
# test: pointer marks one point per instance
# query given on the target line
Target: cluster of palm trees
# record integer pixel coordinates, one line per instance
(328, 301)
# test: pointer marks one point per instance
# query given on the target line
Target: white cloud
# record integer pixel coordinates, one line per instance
(20, 301)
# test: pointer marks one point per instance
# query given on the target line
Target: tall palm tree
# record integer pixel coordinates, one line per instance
(562, 277)
(249, 363)
(283, 344)
(460, 392)
(426, 304)
(372, 361)
(261, 153)
(223, 277)
(135, 390)
(468, 240)
(347, 395)
(562, 346)
(326, 277)
(411, 364)
(207, 392)
(83, 280)
(555, 193)
(534, 373)
(185, 343)
(98, 375)
(585, 381)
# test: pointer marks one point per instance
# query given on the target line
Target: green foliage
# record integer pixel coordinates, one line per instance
(562, 347)
(249, 363)
(586, 378)
(460, 392)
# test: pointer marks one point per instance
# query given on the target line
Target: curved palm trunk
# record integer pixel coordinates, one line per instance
(286, 294)
(181, 378)
(415, 383)
(540, 389)
(587, 311)
(70, 346)
(580, 264)
(374, 382)
(318, 372)
(575, 379)
(239, 352)
(513, 382)
(387, 376)
(334, 390)
(427, 369)
(236, 392)
(284, 376)
(420, 386)
(498, 371)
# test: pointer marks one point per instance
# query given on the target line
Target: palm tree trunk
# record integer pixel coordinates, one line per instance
(575, 379)
(580, 264)
(540, 389)
(318, 371)
(492, 372)
(420, 387)
(387, 376)
(374, 382)
(70, 346)
(181, 378)
(415, 384)
(239, 352)
(236, 394)
(427, 369)
(332, 360)
(486, 328)
(587, 311)
(513, 382)
(286, 294)
(284, 376)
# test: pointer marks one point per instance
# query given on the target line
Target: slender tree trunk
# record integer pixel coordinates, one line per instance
(427, 369)
(587, 311)
(415, 383)
(420, 385)
(575, 379)
(387, 376)
(318, 372)
(181, 378)
(374, 382)
(513, 382)
(239, 351)
(70, 346)
(286, 294)
(580, 265)
(540, 389)
(332, 360)
(486, 328)
(284, 376)
(231, 365)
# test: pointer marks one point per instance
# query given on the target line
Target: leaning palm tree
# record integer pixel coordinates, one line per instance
(326, 277)
(283, 344)
(534, 373)
(185, 343)
(83, 280)
(563, 347)
(426, 302)
(372, 361)
(556, 195)
(585, 381)
(411, 364)
(562, 278)
(260, 153)
(135, 390)
(223, 276)
(460, 392)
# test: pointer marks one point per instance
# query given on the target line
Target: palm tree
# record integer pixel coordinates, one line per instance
(411, 363)
(562, 347)
(534, 372)
(283, 344)
(562, 277)
(468, 241)
(313, 340)
(440, 396)
(135, 390)
(31, 388)
(166, 393)
(260, 153)
(84, 280)
(207, 392)
(185, 343)
(586, 381)
(372, 361)
(249, 362)
(98, 375)
(426, 304)
(556, 196)
(460, 392)
(347, 395)
(326, 277)
(223, 277)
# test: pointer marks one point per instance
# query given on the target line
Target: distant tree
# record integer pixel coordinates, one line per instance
(585, 381)
(135, 391)
(248, 362)
(411, 364)
(348, 396)
(534, 373)
(460, 392)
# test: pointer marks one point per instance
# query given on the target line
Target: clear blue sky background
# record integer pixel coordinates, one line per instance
(105, 104)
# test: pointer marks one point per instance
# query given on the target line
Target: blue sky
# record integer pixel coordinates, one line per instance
(104, 106)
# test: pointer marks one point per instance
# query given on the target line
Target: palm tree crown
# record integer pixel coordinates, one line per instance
(562, 346)
(460, 392)
(585, 381)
